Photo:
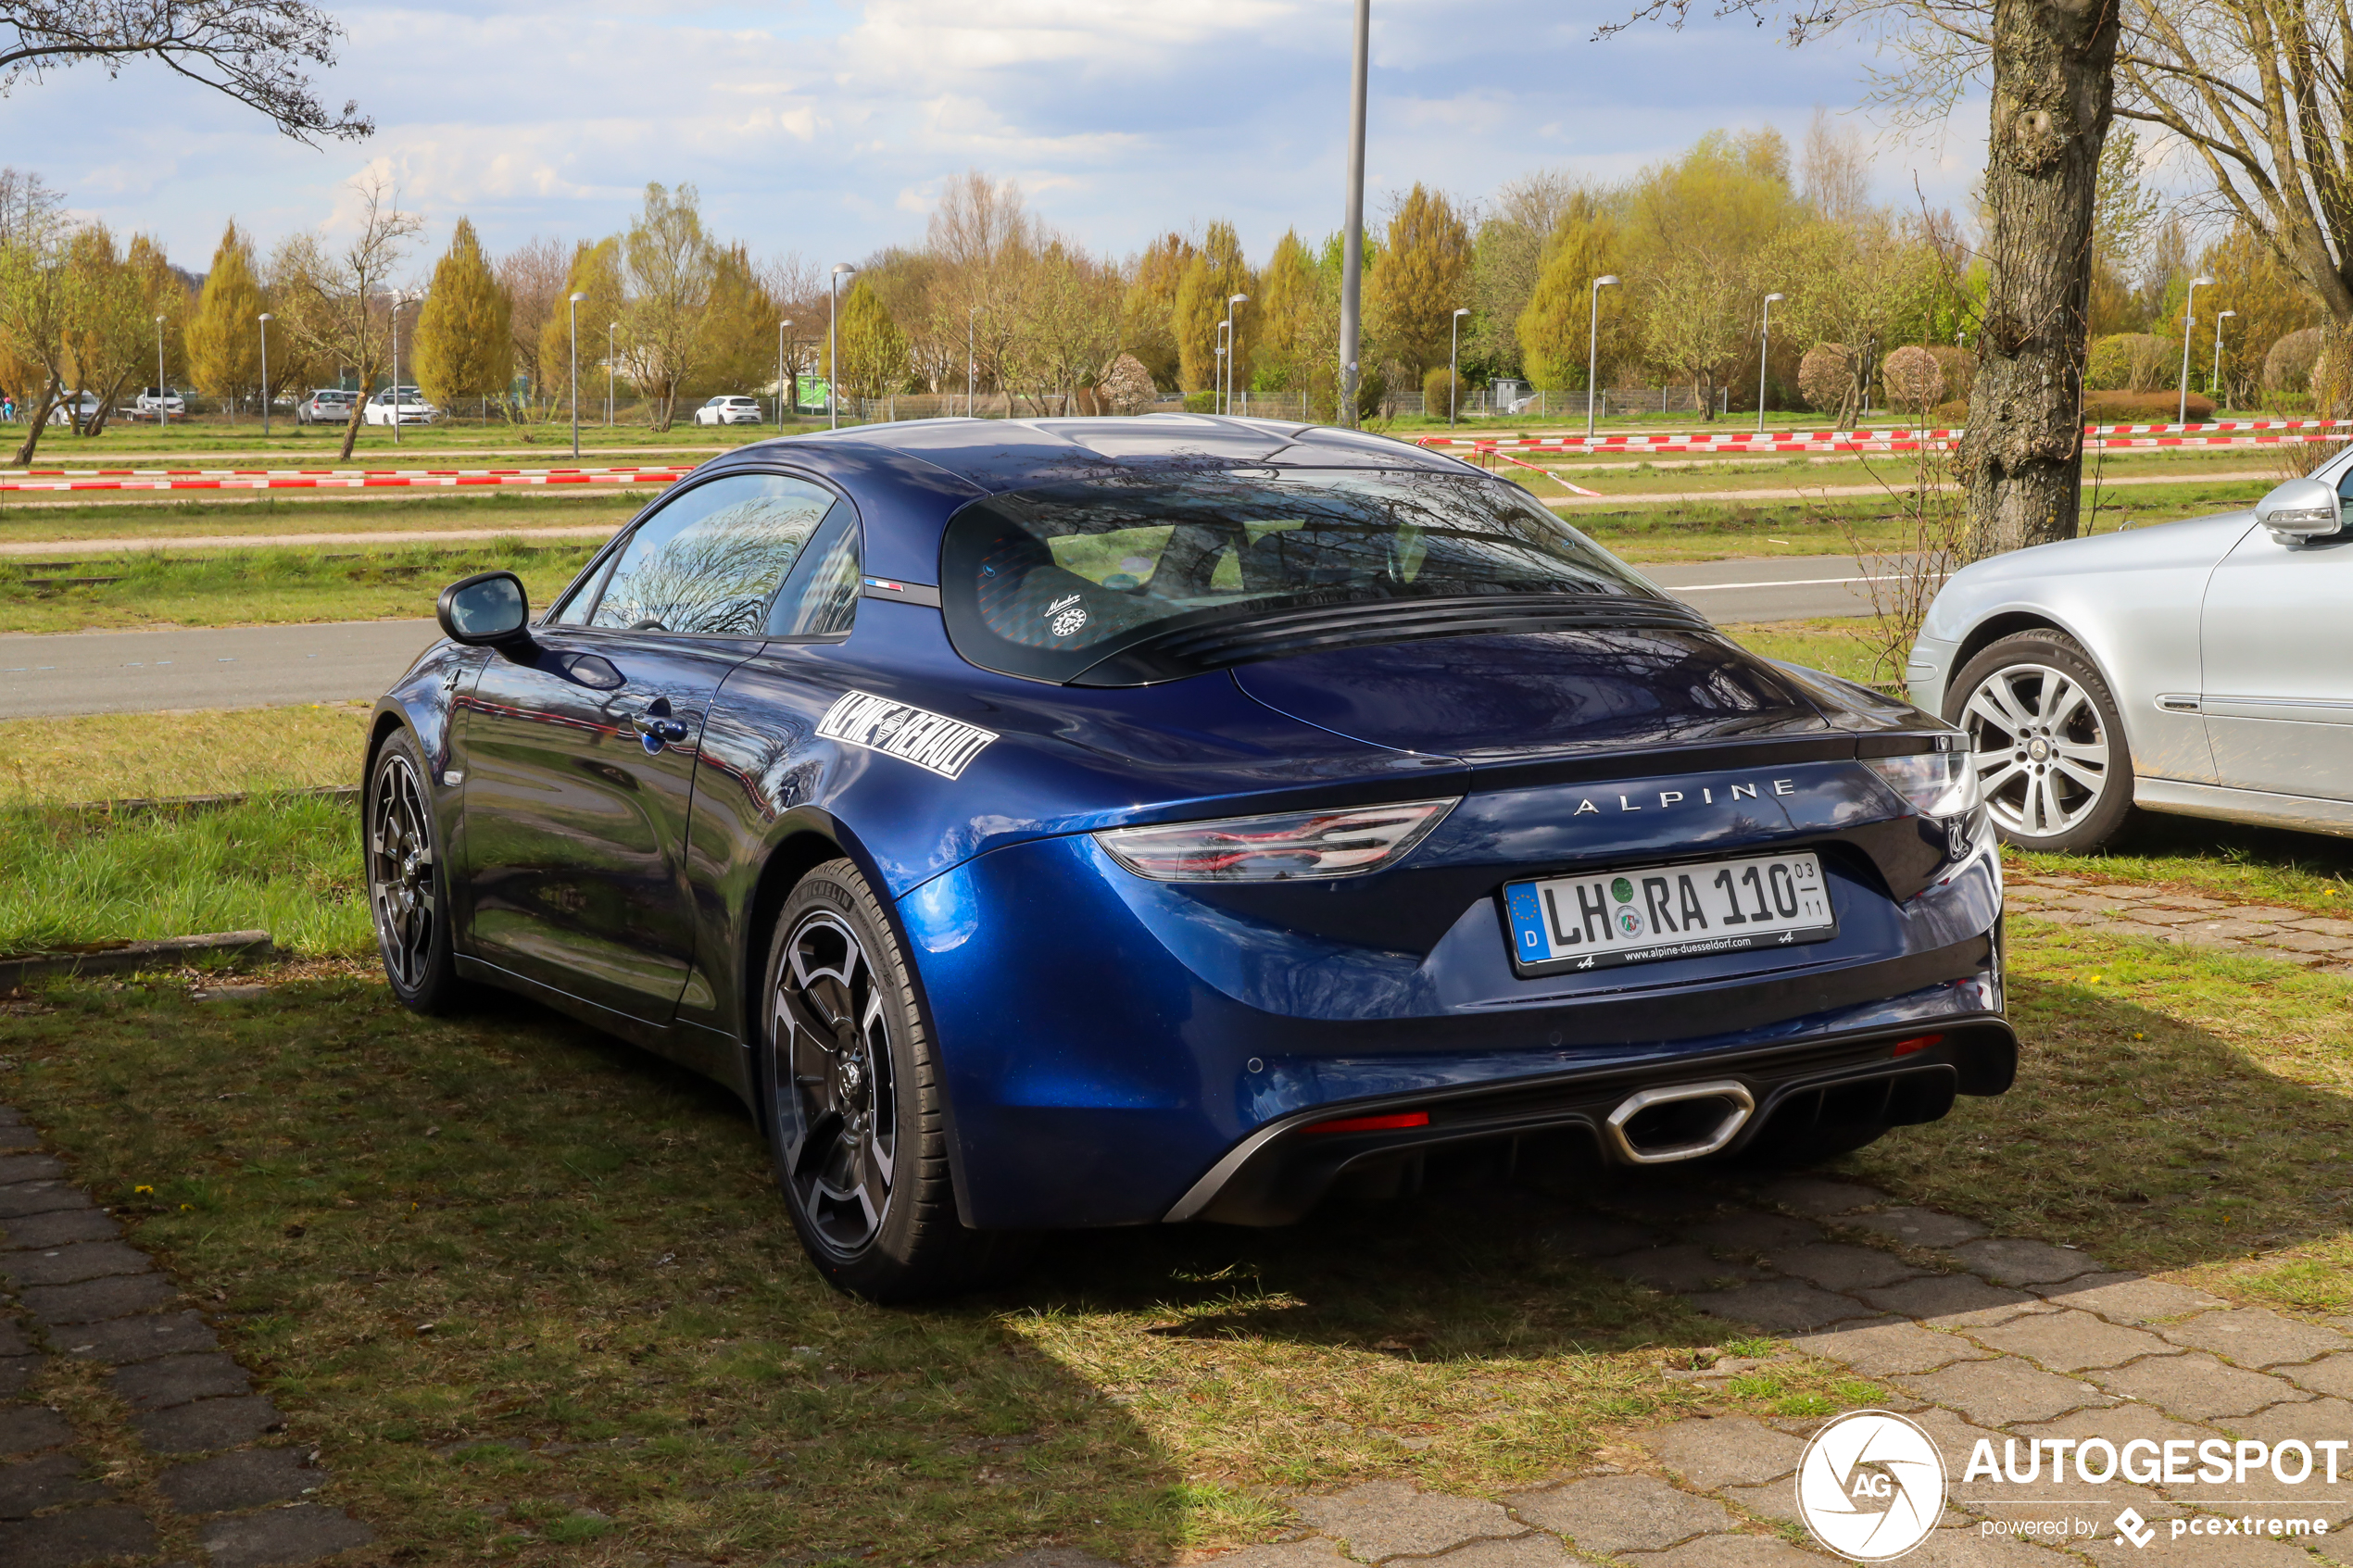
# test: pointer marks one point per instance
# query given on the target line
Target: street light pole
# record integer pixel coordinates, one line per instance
(264, 320)
(1592, 348)
(2214, 379)
(163, 405)
(1232, 345)
(1351, 239)
(781, 393)
(575, 374)
(833, 342)
(1764, 346)
(609, 327)
(2189, 304)
(971, 362)
(397, 301)
(1453, 358)
(1217, 377)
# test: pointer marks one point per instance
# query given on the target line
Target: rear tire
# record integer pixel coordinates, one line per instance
(2048, 740)
(854, 1106)
(408, 881)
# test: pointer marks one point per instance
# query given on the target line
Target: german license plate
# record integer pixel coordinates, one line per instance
(1645, 914)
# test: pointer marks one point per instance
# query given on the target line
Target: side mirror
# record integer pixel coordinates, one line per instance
(2300, 509)
(484, 610)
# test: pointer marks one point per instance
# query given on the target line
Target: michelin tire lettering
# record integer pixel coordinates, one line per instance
(931, 741)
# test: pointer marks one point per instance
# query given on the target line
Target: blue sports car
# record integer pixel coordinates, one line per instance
(1077, 823)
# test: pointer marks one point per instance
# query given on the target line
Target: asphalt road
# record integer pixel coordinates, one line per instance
(259, 666)
(225, 667)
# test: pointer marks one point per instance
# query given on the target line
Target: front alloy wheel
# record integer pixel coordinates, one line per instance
(407, 886)
(2052, 765)
(837, 1099)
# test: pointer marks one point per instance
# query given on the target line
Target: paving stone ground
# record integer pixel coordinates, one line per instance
(2262, 931)
(215, 1482)
(2003, 1338)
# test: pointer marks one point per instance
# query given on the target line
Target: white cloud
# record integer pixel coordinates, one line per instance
(825, 125)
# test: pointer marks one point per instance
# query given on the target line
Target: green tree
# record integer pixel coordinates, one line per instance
(739, 330)
(1212, 276)
(1148, 313)
(1289, 296)
(225, 342)
(463, 350)
(1509, 262)
(1554, 327)
(670, 270)
(595, 273)
(1424, 275)
(110, 338)
(874, 351)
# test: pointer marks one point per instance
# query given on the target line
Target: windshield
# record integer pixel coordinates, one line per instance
(1046, 582)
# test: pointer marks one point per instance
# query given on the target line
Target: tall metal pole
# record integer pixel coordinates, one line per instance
(780, 373)
(1764, 346)
(2189, 304)
(163, 403)
(264, 320)
(2214, 377)
(1351, 239)
(1217, 381)
(609, 327)
(1592, 348)
(1453, 358)
(1233, 349)
(397, 301)
(972, 363)
(575, 374)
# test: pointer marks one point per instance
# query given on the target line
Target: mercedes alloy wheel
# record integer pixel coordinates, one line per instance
(2052, 766)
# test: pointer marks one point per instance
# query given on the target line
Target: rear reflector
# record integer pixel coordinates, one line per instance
(1917, 1043)
(1371, 1124)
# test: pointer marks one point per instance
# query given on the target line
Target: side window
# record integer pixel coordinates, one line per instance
(574, 610)
(821, 597)
(709, 561)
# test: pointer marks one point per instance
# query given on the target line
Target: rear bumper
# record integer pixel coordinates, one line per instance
(1275, 1175)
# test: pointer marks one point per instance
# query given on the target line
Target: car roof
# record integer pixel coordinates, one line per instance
(909, 476)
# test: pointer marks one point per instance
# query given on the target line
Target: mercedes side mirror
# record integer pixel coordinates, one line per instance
(489, 609)
(2300, 509)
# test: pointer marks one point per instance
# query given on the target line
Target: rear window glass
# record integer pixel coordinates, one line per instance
(1046, 582)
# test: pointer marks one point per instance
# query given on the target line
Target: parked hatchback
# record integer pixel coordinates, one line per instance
(733, 410)
(324, 406)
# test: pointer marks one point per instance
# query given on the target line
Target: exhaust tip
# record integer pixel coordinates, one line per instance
(1682, 1121)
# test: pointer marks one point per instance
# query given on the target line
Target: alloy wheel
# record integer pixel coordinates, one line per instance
(837, 1103)
(2041, 751)
(400, 880)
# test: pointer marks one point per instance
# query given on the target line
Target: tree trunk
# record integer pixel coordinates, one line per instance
(351, 425)
(39, 422)
(2022, 454)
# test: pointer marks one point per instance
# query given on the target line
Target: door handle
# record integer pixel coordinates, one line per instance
(656, 728)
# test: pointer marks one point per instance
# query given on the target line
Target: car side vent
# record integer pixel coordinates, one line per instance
(1280, 634)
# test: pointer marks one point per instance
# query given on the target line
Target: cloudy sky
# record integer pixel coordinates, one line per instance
(825, 126)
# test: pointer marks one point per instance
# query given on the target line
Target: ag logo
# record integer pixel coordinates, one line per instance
(1871, 1486)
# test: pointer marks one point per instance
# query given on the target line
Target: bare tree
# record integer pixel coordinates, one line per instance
(1834, 169)
(255, 51)
(532, 274)
(334, 304)
(670, 270)
(2053, 67)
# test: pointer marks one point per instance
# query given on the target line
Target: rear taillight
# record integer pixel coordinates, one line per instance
(1916, 1045)
(1294, 845)
(1935, 784)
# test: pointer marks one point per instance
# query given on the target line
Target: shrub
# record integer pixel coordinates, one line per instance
(2142, 408)
(2133, 362)
(1914, 380)
(1958, 364)
(2288, 367)
(1200, 402)
(1824, 375)
(1127, 386)
(1434, 391)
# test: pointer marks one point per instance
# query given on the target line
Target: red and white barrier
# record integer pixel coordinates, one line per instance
(2097, 438)
(60, 479)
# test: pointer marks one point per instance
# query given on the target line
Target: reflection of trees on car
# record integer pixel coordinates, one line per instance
(714, 576)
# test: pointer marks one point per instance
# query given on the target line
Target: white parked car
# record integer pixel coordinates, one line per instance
(324, 406)
(63, 414)
(731, 410)
(166, 400)
(403, 404)
(2196, 667)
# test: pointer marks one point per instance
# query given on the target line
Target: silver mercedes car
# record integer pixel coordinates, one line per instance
(2203, 666)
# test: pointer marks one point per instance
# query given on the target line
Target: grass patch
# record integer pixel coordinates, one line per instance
(275, 585)
(2308, 870)
(2175, 1110)
(1829, 644)
(512, 1275)
(151, 756)
(285, 864)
